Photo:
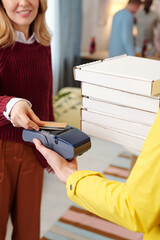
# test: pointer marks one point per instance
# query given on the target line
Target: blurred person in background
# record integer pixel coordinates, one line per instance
(146, 20)
(157, 39)
(121, 38)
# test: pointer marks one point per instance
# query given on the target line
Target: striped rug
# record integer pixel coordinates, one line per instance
(79, 224)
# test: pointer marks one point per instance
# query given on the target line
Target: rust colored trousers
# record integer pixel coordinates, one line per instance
(21, 178)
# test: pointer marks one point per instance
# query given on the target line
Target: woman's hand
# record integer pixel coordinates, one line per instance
(23, 116)
(61, 166)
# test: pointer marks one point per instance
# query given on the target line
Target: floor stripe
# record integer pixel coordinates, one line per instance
(82, 232)
(98, 225)
(121, 164)
(114, 178)
(125, 155)
(119, 172)
(53, 236)
(93, 230)
(65, 233)
(118, 167)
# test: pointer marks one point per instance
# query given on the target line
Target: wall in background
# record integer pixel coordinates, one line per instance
(51, 19)
(97, 21)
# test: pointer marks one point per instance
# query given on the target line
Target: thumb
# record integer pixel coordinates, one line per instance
(38, 145)
(53, 158)
(47, 153)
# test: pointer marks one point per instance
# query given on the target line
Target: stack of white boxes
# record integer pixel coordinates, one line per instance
(119, 98)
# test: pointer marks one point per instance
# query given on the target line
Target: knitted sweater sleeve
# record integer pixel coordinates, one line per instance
(4, 53)
(3, 102)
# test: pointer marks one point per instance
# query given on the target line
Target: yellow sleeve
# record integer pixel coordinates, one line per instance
(135, 204)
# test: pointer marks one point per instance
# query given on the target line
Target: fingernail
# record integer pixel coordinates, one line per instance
(36, 128)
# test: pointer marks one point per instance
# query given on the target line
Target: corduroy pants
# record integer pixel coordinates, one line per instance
(21, 177)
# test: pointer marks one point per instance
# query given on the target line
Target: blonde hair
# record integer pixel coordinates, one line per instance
(7, 34)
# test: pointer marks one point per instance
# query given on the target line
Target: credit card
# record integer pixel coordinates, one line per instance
(53, 125)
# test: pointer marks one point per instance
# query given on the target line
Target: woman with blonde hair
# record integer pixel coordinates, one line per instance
(25, 98)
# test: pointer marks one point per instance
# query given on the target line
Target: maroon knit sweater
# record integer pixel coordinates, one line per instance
(25, 72)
